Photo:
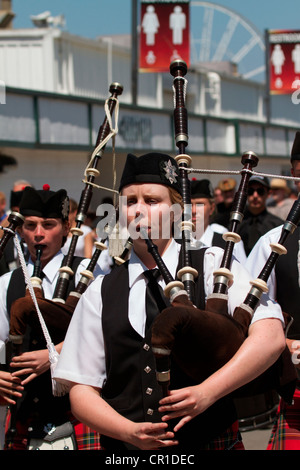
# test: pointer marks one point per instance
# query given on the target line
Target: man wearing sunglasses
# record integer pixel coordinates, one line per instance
(257, 220)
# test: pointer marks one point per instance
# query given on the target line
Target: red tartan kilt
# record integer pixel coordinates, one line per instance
(229, 440)
(286, 431)
(90, 440)
(86, 439)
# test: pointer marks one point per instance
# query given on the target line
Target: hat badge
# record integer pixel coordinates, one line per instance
(170, 172)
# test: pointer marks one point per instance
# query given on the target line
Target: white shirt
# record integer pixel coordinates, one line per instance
(79, 251)
(207, 238)
(105, 261)
(48, 284)
(82, 359)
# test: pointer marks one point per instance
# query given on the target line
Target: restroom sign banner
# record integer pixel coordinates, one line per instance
(164, 34)
(284, 61)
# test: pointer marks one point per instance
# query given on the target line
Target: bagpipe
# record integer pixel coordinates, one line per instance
(54, 315)
(15, 220)
(202, 341)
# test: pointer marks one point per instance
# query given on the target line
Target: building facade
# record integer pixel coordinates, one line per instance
(54, 87)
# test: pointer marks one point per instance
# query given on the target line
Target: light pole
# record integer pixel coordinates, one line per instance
(134, 51)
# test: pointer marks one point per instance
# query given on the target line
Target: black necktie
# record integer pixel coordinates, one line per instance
(155, 299)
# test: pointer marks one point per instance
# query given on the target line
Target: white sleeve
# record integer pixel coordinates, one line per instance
(237, 293)
(259, 255)
(99, 269)
(239, 252)
(82, 359)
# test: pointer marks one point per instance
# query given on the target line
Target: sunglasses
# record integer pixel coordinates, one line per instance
(260, 191)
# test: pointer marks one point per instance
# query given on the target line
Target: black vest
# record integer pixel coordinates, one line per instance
(131, 387)
(287, 283)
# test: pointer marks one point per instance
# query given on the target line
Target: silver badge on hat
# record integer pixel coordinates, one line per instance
(170, 172)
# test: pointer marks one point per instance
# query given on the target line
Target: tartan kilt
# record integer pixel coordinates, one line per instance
(231, 439)
(86, 438)
(286, 430)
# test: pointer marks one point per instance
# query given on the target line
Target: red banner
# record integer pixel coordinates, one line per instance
(164, 34)
(284, 61)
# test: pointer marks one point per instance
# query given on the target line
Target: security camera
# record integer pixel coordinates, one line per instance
(41, 20)
(44, 20)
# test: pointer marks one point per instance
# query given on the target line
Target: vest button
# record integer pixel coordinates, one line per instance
(147, 369)
(150, 411)
(149, 391)
(146, 347)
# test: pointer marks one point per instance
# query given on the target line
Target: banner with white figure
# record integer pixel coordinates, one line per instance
(164, 34)
(284, 61)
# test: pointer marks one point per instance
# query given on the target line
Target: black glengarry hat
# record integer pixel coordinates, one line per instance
(45, 203)
(15, 198)
(201, 189)
(295, 154)
(151, 168)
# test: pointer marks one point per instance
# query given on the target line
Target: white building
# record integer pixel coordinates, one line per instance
(54, 85)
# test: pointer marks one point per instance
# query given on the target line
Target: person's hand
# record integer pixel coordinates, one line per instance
(150, 436)
(33, 364)
(10, 388)
(185, 403)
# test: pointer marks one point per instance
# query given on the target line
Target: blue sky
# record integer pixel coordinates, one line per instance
(92, 18)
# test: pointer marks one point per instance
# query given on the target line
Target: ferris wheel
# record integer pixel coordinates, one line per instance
(219, 34)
